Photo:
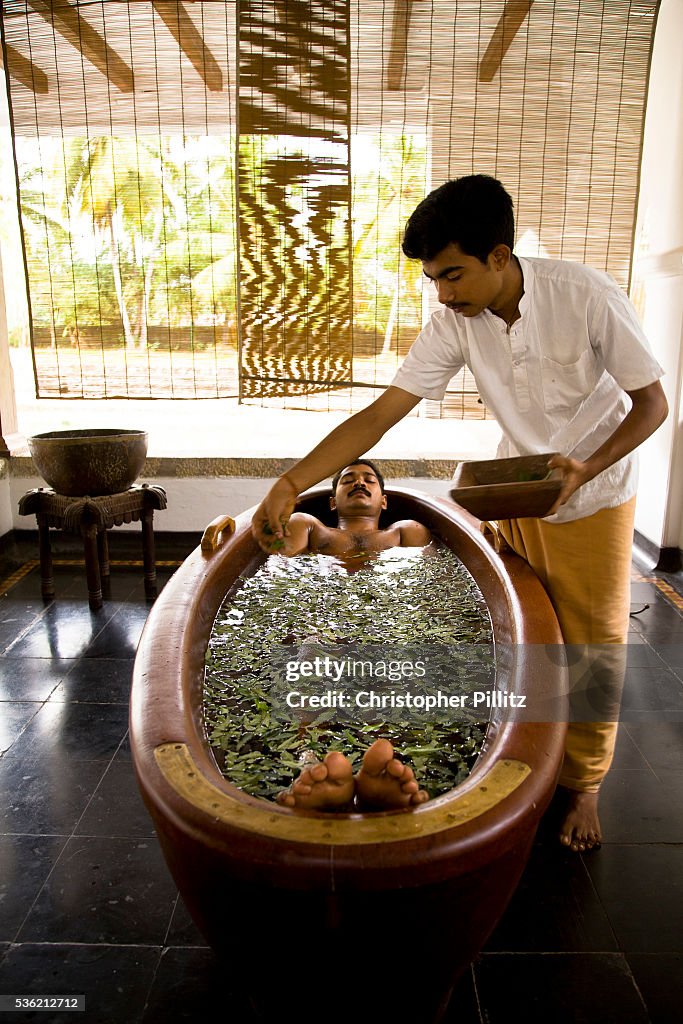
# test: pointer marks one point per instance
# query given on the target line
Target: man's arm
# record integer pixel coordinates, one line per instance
(649, 410)
(297, 540)
(348, 441)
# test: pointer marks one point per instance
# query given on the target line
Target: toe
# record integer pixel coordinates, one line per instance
(338, 766)
(395, 767)
(318, 772)
(377, 756)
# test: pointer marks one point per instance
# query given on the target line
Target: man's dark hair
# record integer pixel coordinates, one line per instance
(358, 462)
(475, 212)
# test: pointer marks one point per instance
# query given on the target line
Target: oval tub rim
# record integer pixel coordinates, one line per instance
(501, 792)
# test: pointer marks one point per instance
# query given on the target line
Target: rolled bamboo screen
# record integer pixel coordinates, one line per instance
(213, 194)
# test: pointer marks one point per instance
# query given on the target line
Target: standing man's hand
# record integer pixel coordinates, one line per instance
(269, 522)
(574, 474)
(649, 409)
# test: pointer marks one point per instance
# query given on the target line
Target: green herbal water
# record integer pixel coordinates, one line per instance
(401, 601)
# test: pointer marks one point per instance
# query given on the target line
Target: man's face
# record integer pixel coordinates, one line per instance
(358, 492)
(464, 283)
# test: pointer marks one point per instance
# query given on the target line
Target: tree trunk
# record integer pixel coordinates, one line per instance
(147, 282)
(118, 284)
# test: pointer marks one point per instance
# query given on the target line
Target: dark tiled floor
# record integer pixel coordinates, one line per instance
(87, 904)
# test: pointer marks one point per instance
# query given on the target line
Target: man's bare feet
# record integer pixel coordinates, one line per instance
(325, 786)
(580, 828)
(384, 782)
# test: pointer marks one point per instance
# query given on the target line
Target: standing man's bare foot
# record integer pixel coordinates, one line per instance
(325, 786)
(384, 782)
(580, 828)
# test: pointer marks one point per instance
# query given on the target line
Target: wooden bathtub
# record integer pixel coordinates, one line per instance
(342, 916)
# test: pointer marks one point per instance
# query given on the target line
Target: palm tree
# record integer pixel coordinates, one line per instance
(120, 185)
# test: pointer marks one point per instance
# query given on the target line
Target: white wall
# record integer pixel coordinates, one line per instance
(192, 502)
(659, 235)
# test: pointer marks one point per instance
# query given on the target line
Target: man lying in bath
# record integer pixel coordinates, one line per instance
(383, 782)
(358, 498)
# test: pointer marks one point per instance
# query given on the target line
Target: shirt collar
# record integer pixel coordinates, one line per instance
(527, 269)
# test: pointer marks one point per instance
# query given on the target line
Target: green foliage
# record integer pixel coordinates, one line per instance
(127, 232)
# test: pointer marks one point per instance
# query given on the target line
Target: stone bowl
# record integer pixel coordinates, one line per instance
(89, 462)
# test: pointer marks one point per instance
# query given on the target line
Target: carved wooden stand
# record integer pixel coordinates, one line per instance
(92, 517)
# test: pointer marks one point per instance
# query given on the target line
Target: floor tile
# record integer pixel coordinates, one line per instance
(45, 797)
(641, 889)
(191, 985)
(66, 630)
(647, 688)
(116, 808)
(661, 743)
(16, 617)
(626, 753)
(15, 717)
(115, 980)
(80, 732)
(104, 891)
(565, 988)
(640, 807)
(120, 636)
(660, 615)
(31, 678)
(660, 979)
(671, 654)
(183, 931)
(25, 863)
(642, 654)
(96, 681)
(555, 909)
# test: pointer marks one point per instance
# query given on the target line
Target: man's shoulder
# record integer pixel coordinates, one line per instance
(553, 272)
(412, 533)
(304, 517)
(311, 524)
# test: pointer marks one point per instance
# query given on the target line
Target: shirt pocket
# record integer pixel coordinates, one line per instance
(566, 385)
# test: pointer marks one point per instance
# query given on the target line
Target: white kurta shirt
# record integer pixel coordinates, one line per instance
(555, 380)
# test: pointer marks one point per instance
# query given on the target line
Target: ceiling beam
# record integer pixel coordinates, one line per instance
(511, 20)
(24, 71)
(190, 40)
(66, 20)
(398, 50)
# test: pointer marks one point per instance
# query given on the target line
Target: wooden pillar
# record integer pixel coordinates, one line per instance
(8, 408)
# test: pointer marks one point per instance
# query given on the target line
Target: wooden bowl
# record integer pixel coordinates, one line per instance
(507, 488)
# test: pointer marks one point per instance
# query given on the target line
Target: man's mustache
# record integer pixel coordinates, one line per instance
(360, 489)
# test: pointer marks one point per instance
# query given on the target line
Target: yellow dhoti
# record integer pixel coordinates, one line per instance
(585, 566)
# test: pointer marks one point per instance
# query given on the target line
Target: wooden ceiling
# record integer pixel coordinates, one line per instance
(69, 23)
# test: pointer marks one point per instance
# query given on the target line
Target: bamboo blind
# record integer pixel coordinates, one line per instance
(213, 194)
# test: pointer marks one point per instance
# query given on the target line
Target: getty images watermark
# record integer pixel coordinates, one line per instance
(366, 686)
(469, 682)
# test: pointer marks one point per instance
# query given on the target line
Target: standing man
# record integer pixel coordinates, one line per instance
(560, 358)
